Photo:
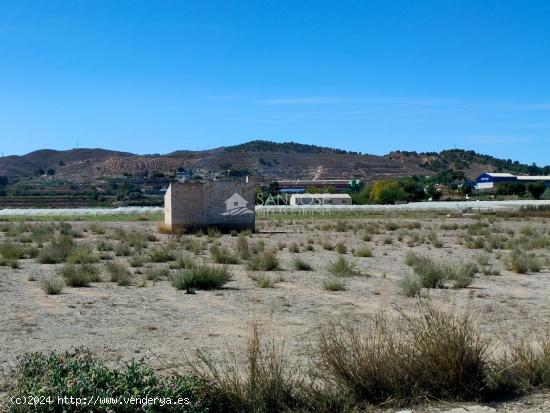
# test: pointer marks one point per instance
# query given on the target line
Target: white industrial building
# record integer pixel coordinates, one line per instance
(320, 199)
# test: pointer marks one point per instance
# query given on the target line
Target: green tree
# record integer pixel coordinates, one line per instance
(536, 189)
(387, 192)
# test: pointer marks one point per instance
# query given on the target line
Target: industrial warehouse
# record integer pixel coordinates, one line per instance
(488, 180)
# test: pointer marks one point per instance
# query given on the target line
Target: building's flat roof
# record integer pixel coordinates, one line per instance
(312, 181)
(320, 196)
(500, 174)
(533, 178)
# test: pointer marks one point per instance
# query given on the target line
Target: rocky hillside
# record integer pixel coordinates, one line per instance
(269, 160)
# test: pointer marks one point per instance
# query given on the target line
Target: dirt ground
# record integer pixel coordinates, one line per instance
(164, 326)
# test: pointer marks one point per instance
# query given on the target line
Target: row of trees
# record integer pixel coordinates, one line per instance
(535, 189)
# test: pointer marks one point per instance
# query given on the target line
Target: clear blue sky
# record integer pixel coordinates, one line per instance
(371, 76)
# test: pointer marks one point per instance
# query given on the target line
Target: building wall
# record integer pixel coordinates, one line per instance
(192, 205)
(314, 199)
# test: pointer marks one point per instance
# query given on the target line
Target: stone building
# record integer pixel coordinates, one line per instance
(225, 205)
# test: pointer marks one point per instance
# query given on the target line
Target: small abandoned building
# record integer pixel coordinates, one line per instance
(320, 199)
(225, 205)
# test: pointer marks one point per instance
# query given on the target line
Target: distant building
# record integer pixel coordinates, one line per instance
(299, 186)
(489, 180)
(320, 199)
(226, 205)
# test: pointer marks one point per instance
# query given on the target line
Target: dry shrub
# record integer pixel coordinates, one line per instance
(223, 255)
(436, 355)
(119, 273)
(264, 382)
(265, 261)
(52, 286)
(523, 367)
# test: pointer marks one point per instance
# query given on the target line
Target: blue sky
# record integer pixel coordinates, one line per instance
(370, 76)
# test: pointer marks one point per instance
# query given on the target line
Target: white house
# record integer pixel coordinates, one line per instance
(320, 199)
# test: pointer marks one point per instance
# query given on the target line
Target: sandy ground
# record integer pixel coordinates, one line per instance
(164, 326)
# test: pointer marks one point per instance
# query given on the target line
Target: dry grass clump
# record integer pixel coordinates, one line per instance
(522, 262)
(118, 273)
(363, 252)
(392, 226)
(343, 268)
(432, 237)
(157, 273)
(136, 261)
(83, 254)
(242, 247)
(411, 285)
(523, 367)
(79, 275)
(183, 261)
(57, 250)
(264, 382)
(263, 280)
(265, 261)
(162, 255)
(223, 255)
(52, 286)
(435, 356)
(122, 250)
(201, 277)
(340, 248)
(10, 253)
(328, 246)
(294, 248)
(334, 284)
(97, 228)
(300, 265)
(434, 274)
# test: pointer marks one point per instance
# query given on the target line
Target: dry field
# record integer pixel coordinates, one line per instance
(123, 290)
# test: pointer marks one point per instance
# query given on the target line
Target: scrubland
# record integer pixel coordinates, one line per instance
(315, 314)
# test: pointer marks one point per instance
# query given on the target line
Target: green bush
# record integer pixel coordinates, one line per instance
(79, 375)
(202, 277)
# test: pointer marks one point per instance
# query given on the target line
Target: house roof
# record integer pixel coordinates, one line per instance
(500, 175)
(533, 178)
(236, 197)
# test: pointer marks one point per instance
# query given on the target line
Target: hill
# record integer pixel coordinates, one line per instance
(268, 160)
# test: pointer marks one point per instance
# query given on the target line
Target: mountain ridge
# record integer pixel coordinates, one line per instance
(267, 159)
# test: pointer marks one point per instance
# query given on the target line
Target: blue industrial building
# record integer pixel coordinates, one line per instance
(488, 180)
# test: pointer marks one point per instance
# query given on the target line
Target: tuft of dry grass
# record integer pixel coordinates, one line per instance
(265, 261)
(435, 355)
(52, 286)
(343, 268)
